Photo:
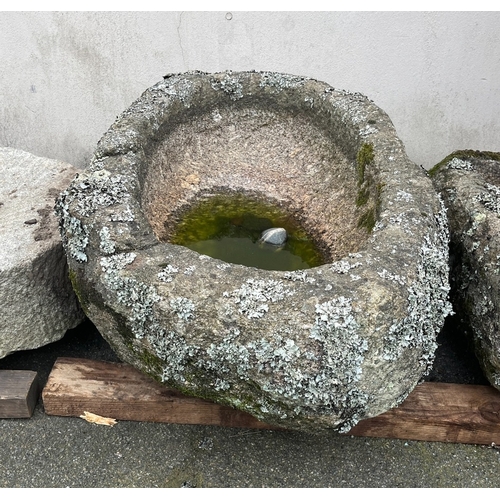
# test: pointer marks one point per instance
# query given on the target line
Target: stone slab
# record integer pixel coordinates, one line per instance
(37, 302)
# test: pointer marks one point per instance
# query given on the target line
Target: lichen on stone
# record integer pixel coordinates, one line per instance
(136, 297)
(337, 330)
(428, 303)
(90, 191)
(276, 363)
(280, 81)
(302, 276)
(254, 296)
(189, 270)
(392, 277)
(74, 234)
(490, 198)
(177, 87)
(473, 201)
(169, 345)
(478, 218)
(353, 107)
(183, 308)
(117, 262)
(367, 130)
(464, 160)
(403, 195)
(216, 116)
(310, 101)
(106, 245)
(167, 273)
(126, 215)
(274, 355)
(458, 164)
(229, 84)
(343, 266)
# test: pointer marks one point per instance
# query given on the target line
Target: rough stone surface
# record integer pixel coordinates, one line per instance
(274, 236)
(469, 182)
(37, 301)
(313, 349)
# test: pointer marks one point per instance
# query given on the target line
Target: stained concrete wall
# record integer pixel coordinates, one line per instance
(66, 75)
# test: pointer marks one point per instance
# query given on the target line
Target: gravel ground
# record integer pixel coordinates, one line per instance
(46, 451)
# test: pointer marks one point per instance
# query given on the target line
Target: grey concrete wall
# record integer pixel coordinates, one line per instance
(66, 75)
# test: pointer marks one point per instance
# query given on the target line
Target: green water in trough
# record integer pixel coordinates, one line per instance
(228, 227)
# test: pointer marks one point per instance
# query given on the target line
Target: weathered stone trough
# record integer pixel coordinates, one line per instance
(311, 349)
(469, 182)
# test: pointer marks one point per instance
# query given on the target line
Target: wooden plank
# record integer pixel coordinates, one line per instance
(432, 412)
(120, 391)
(19, 391)
(442, 412)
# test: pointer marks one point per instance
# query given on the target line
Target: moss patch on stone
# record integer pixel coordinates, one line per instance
(74, 283)
(153, 364)
(363, 197)
(367, 220)
(364, 157)
(368, 191)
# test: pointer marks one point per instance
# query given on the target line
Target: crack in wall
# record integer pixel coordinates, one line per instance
(180, 40)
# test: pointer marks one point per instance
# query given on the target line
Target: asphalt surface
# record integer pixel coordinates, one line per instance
(46, 451)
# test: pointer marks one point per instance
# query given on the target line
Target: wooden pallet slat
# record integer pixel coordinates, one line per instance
(19, 391)
(432, 412)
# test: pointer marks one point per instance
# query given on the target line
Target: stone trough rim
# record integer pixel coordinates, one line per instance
(355, 272)
(109, 150)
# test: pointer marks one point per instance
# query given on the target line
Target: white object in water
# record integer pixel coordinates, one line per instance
(274, 236)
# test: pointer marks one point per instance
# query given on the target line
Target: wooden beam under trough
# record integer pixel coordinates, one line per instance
(119, 391)
(453, 413)
(432, 412)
